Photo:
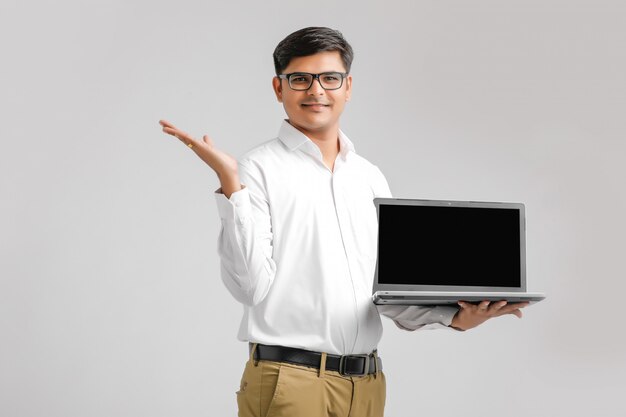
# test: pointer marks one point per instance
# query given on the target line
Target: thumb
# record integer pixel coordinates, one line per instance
(207, 140)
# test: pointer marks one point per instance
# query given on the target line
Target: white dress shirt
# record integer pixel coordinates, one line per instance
(298, 248)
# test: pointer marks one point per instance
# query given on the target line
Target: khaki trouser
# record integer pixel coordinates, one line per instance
(278, 389)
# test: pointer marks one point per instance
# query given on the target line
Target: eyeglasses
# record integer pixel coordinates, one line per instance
(301, 81)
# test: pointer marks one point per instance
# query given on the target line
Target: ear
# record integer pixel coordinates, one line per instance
(348, 82)
(278, 89)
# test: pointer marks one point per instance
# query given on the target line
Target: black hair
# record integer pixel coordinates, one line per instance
(309, 41)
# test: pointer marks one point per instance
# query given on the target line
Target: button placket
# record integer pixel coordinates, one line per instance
(344, 226)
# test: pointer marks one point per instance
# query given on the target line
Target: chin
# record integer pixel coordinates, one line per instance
(317, 120)
(316, 126)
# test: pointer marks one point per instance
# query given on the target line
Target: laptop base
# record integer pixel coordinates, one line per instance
(451, 298)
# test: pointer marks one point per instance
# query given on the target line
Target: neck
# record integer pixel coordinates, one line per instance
(327, 140)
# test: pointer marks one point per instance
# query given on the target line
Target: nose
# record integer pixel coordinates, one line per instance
(316, 87)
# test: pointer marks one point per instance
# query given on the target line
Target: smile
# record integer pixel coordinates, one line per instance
(315, 105)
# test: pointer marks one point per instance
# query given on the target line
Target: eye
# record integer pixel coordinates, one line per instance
(300, 79)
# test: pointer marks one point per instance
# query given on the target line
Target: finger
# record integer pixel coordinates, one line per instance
(517, 313)
(521, 305)
(483, 305)
(462, 304)
(207, 140)
(178, 133)
(174, 132)
(189, 141)
(497, 306)
(182, 136)
(515, 306)
(171, 129)
(509, 309)
(165, 123)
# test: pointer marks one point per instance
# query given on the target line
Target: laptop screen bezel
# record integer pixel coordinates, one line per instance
(455, 203)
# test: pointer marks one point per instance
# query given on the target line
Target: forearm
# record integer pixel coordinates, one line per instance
(245, 250)
(416, 317)
(246, 270)
(229, 183)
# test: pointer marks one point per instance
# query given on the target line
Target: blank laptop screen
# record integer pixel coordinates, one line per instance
(451, 246)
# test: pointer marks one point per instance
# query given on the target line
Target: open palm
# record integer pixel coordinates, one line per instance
(224, 165)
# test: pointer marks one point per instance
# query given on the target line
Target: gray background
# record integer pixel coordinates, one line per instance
(110, 298)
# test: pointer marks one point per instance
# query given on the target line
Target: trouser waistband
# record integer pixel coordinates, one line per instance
(347, 365)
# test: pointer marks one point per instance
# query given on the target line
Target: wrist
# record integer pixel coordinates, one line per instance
(456, 323)
(229, 184)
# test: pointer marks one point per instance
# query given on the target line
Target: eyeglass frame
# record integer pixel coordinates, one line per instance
(315, 77)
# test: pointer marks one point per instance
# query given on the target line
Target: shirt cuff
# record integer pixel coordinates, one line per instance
(237, 208)
(444, 314)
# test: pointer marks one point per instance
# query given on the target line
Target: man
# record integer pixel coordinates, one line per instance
(297, 247)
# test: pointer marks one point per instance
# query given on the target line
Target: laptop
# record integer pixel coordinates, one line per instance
(439, 252)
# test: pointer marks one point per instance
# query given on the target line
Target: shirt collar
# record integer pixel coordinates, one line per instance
(294, 139)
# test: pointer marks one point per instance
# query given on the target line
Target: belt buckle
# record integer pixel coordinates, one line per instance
(342, 365)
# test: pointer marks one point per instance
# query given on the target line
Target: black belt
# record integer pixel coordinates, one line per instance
(347, 365)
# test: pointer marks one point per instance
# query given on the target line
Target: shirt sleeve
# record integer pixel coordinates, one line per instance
(419, 317)
(380, 186)
(245, 239)
(411, 317)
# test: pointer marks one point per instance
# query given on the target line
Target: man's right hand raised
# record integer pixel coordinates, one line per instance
(224, 165)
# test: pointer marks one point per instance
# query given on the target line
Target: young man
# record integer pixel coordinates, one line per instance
(298, 247)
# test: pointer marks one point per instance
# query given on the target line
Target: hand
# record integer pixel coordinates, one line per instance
(471, 315)
(224, 165)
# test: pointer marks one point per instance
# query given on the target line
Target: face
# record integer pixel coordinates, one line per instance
(314, 110)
